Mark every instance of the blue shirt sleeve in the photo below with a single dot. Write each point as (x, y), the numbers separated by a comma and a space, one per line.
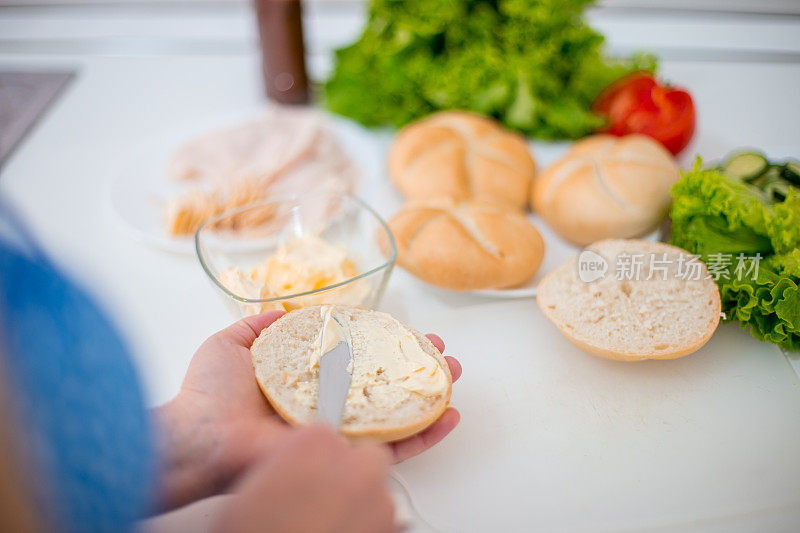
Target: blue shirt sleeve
(77, 397)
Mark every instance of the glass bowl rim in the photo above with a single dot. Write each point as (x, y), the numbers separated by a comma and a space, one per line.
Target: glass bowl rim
(296, 198)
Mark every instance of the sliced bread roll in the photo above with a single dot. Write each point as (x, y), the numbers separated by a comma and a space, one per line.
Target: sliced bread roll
(632, 300)
(400, 382)
(466, 246)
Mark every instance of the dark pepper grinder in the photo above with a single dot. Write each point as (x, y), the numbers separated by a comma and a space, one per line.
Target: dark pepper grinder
(280, 26)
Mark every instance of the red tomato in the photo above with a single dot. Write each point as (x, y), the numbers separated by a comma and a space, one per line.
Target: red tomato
(638, 104)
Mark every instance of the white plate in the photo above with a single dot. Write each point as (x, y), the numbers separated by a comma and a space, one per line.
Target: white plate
(140, 193)
(141, 190)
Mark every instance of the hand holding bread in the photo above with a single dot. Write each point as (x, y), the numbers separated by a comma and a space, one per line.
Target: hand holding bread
(222, 424)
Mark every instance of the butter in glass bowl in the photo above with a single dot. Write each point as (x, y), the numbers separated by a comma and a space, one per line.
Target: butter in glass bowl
(319, 248)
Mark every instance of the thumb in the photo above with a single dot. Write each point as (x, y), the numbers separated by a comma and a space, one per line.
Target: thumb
(245, 331)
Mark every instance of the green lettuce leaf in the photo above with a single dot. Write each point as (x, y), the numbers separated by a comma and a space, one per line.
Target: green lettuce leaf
(769, 305)
(714, 214)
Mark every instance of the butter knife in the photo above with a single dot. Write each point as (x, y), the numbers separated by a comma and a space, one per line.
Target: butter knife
(334, 384)
(334, 381)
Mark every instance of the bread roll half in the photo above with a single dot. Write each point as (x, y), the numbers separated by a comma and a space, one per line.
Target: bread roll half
(466, 246)
(393, 394)
(669, 309)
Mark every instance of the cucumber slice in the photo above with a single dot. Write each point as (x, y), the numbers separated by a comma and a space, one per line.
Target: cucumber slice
(746, 166)
(791, 172)
(772, 173)
(777, 189)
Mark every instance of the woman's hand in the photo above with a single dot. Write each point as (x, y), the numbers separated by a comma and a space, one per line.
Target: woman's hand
(313, 480)
(220, 422)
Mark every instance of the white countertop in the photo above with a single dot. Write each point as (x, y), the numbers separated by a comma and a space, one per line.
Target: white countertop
(139, 83)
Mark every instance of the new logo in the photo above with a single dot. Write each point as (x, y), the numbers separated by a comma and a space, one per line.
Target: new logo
(591, 266)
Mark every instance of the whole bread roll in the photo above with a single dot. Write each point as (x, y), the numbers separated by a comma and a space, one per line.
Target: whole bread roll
(400, 382)
(606, 187)
(461, 156)
(651, 301)
(466, 246)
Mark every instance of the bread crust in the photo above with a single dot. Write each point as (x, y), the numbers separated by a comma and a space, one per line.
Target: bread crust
(460, 155)
(379, 434)
(685, 350)
(546, 295)
(606, 187)
(467, 246)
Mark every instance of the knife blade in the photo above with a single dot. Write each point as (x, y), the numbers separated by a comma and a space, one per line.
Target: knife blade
(334, 382)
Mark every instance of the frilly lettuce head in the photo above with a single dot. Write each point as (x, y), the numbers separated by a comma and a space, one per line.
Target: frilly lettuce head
(533, 64)
(713, 213)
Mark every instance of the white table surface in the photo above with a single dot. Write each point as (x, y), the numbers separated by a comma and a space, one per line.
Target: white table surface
(60, 177)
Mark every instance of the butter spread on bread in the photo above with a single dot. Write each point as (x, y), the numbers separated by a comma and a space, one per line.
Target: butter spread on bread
(401, 383)
(382, 352)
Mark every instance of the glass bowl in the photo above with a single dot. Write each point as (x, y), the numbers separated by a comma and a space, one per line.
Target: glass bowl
(234, 246)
